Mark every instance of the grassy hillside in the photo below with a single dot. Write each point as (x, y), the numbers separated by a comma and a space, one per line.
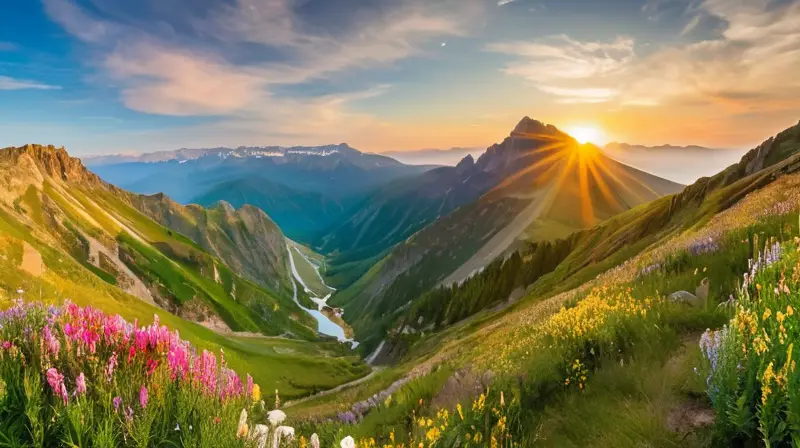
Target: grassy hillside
(600, 353)
(547, 178)
(64, 234)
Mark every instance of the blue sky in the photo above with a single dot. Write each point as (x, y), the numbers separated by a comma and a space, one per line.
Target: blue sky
(108, 76)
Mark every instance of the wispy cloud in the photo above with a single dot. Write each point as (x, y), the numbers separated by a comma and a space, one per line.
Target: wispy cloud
(750, 65)
(567, 68)
(8, 46)
(7, 83)
(161, 73)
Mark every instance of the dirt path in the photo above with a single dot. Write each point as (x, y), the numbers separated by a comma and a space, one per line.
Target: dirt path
(336, 389)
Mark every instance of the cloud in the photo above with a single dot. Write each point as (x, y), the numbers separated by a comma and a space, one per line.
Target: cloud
(564, 67)
(7, 83)
(8, 46)
(691, 25)
(232, 61)
(749, 65)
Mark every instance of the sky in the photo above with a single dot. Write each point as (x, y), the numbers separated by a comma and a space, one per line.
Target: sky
(128, 76)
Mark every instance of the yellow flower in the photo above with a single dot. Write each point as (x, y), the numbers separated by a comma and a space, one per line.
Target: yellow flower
(256, 393)
(460, 412)
(766, 314)
(789, 310)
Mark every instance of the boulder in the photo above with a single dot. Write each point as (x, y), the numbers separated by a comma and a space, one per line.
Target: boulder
(685, 297)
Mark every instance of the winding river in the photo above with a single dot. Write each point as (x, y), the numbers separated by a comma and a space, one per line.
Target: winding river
(324, 324)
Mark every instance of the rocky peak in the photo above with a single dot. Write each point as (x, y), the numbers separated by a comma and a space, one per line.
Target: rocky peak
(53, 162)
(466, 163)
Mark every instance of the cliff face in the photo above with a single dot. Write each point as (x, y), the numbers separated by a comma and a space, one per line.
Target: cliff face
(247, 240)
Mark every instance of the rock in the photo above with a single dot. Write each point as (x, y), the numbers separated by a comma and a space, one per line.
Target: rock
(684, 297)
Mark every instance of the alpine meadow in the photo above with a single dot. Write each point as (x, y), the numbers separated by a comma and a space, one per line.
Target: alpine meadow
(399, 223)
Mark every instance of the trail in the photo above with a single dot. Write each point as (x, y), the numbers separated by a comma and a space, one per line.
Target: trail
(339, 388)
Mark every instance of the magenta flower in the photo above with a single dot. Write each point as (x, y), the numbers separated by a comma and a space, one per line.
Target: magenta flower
(80, 384)
(117, 401)
(143, 397)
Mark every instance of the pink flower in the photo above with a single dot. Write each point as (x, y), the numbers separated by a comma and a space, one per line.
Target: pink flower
(54, 379)
(249, 389)
(143, 397)
(80, 384)
(112, 364)
(117, 401)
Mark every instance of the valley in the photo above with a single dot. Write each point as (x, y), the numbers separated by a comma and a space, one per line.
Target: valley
(443, 307)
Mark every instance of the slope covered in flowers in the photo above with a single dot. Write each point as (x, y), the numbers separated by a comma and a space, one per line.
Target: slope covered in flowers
(74, 376)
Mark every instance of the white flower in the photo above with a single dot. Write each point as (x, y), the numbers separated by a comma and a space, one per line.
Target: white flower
(314, 440)
(259, 435)
(280, 433)
(348, 442)
(241, 430)
(177, 427)
(276, 417)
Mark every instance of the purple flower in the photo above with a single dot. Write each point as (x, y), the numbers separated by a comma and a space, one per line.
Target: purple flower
(117, 401)
(143, 397)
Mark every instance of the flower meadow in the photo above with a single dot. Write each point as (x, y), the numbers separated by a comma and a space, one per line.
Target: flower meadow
(750, 364)
(74, 376)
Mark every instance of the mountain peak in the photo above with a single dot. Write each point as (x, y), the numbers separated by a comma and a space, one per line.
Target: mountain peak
(528, 126)
(52, 161)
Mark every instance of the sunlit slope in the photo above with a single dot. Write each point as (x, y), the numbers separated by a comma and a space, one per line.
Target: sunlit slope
(547, 175)
(68, 209)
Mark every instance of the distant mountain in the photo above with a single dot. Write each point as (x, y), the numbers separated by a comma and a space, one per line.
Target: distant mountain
(83, 238)
(449, 157)
(683, 164)
(304, 189)
(539, 183)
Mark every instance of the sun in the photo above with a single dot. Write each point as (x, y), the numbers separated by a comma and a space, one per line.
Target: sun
(587, 134)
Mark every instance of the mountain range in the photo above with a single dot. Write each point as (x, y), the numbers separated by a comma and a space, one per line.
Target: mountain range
(304, 189)
(538, 184)
(78, 235)
(449, 157)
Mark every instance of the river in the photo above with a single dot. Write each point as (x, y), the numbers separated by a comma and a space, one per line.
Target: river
(324, 324)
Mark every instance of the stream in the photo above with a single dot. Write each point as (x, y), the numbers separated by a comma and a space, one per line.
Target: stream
(324, 324)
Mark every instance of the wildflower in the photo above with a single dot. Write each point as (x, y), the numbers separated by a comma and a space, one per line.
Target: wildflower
(256, 393)
(789, 310)
(460, 411)
(216, 420)
(276, 417)
(80, 384)
(112, 364)
(116, 402)
(143, 397)
(502, 400)
(348, 442)
(241, 430)
(259, 435)
(177, 427)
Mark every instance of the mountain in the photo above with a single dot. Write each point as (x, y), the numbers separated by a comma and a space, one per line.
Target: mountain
(542, 268)
(683, 164)
(304, 189)
(538, 184)
(74, 235)
(449, 157)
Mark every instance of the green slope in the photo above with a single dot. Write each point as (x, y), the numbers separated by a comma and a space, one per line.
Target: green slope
(64, 234)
